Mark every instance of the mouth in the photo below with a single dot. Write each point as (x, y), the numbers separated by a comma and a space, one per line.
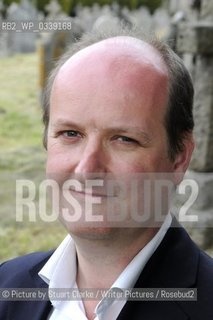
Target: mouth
(86, 193)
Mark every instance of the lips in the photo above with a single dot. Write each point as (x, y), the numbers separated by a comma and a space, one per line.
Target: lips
(92, 194)
(93, 188)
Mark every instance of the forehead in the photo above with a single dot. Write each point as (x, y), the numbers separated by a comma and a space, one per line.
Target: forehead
(124, 55)
(122, 66)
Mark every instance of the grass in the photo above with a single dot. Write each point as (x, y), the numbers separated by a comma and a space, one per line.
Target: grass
(19, 241)
(21, 155)
(20, 116)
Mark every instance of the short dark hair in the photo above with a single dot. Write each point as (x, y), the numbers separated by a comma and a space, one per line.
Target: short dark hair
(179, 115)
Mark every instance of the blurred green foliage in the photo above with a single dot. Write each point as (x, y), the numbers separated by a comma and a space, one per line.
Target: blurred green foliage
(69, 5)
(131, 4)
(9, 2)
(40, 4)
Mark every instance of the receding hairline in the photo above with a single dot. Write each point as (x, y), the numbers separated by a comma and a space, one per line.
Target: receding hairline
(143, 51)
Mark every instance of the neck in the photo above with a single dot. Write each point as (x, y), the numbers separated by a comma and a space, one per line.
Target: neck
(108, 255)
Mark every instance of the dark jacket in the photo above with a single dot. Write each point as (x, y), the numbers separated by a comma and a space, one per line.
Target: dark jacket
(177, 263)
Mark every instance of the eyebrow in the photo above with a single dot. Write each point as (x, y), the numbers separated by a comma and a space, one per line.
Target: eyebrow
(65, 123)
(117, 130)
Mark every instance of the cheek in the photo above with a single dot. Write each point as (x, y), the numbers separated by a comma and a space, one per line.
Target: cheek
(52, 164)
(127, 165)
(146, 162)
(57, 161)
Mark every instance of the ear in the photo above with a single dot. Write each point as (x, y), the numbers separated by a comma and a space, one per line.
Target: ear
(183, 158)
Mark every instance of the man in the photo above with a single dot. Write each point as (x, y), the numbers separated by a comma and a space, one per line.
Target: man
(116, 107)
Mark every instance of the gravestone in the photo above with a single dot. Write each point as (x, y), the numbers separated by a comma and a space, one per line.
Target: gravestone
(161, 23)
(52, 44)
(142, 19)
(87, 17)
(3, 37)
(206, 10)
(4, 50)
(21, 42)
(180, 5)
(106, 23)
(53, 9)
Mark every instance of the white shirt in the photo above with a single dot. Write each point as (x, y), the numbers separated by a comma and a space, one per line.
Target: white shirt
(60, 272)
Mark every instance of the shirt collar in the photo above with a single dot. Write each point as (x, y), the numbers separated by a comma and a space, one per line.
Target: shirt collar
(60, 269)
(130, 274)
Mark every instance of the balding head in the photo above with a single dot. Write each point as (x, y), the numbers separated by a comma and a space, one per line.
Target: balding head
(120, 48)
(125, 53)
(128, 64)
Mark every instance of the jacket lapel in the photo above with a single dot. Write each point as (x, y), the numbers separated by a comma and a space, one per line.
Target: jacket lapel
(33, 310)
(173, 265)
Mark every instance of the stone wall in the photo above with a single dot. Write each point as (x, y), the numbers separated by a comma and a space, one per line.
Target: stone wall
(195, 44)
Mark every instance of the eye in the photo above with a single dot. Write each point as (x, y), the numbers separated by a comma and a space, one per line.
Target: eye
(126, 140)
(71, 134)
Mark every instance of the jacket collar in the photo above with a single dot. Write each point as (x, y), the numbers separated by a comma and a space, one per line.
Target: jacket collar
(175, 262)
(33, 310)
(173, 265)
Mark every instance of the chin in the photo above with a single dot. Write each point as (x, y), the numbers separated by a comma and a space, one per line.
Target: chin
(91, 233)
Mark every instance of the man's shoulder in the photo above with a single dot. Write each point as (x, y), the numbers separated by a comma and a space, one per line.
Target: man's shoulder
(204, 261)
(27, 261)
(203, 264)
(205, 270)
(16, 269)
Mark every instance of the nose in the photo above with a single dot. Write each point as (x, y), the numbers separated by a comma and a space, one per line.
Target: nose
(93, 160)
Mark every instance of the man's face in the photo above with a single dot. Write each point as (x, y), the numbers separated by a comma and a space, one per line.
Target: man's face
(108, 106)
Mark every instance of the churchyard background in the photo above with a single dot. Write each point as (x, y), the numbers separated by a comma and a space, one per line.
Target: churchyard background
(22, 74)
